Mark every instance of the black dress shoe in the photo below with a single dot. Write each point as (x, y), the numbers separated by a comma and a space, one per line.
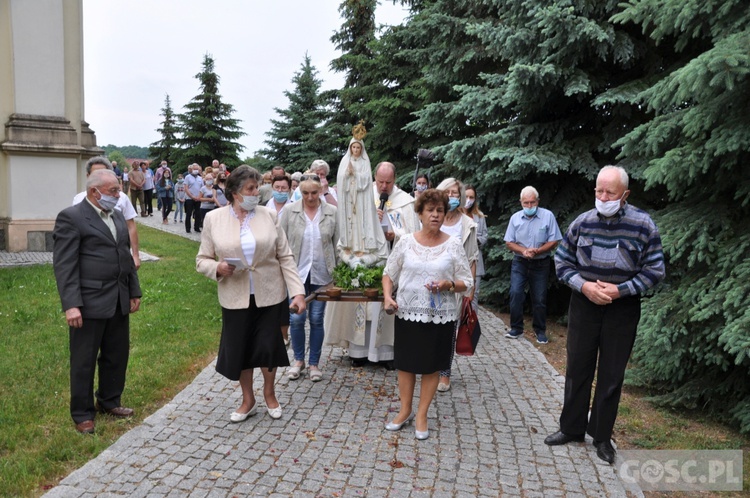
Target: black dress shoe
(388, 365)
(359, 362)
(560, 437)
(605, 451)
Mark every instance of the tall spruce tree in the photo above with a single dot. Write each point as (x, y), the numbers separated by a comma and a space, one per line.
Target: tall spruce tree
(694, 341)
(207, 128)
(356, 62)
(295, 140)
(513, 86)
(389, 102)
(165, 148)
(353, 40)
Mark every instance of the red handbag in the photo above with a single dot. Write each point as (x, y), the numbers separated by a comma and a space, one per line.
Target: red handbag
(468, 330)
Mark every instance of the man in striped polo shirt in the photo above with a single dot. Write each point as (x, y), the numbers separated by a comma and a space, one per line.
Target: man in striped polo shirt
(610, 256)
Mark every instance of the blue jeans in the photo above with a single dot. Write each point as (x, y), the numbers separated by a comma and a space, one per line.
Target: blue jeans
(535, 272)
(316, 311)
(179, 209)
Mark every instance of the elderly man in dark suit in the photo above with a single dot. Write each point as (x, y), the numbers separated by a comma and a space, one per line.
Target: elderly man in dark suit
(98, 286)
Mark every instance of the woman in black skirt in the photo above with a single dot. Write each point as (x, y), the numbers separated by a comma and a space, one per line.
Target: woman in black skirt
(246, 251)
(428, 268)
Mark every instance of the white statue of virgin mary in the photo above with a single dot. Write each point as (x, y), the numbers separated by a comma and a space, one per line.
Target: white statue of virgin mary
(361, 241)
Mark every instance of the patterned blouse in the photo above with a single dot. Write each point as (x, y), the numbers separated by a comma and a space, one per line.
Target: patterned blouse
(412, 265)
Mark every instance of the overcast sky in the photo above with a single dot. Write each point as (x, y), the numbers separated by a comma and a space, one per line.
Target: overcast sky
(137, 51)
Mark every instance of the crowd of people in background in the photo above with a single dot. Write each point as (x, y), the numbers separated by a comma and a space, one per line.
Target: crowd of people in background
(270, 239)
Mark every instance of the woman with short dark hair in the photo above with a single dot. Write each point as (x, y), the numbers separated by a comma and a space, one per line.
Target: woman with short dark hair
(428, 268)
(245, 250)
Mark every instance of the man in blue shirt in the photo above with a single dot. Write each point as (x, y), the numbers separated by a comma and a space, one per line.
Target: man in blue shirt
(193, 184)
(532, 235)
(610, 256)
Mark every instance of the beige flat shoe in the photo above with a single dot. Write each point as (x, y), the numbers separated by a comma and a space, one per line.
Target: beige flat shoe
(294, 371)
(315, 374)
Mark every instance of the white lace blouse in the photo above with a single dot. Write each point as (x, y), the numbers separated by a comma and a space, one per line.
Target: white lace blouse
(412, 265)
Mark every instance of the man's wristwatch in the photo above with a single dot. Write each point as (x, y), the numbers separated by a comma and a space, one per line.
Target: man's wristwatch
(453, 286)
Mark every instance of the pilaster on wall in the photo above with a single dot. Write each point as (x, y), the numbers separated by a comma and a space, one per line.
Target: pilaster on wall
(45, 139)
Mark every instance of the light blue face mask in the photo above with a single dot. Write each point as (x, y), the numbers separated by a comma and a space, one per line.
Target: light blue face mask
(529, 211)
(280, 197)
(249, 202)
(107, 202)
(453, 203)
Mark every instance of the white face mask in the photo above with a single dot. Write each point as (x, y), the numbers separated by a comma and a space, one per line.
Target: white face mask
(469, 203)
(249, 202)
(608, 208)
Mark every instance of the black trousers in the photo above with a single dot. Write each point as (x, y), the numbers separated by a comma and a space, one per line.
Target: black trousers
(148, 196)
(607, 332)
(104, 342)
(166, 206)
(192, 210)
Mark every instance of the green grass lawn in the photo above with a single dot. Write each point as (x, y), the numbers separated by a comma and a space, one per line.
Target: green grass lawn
(173, 337)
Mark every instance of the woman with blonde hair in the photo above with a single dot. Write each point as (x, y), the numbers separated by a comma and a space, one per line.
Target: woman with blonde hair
(310, 226)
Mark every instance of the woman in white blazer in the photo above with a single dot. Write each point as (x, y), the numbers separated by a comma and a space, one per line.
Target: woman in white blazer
(245, 250)
(310, 225)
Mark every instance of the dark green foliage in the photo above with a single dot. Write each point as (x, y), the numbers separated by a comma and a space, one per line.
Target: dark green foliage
(296, 139)
(259, 162)
(383, 86)
(119, 158)
(695, 333)
(512, 90)
(353, 40)
(130, 151)
(397, 92)
(207, 128)
(166, 148)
